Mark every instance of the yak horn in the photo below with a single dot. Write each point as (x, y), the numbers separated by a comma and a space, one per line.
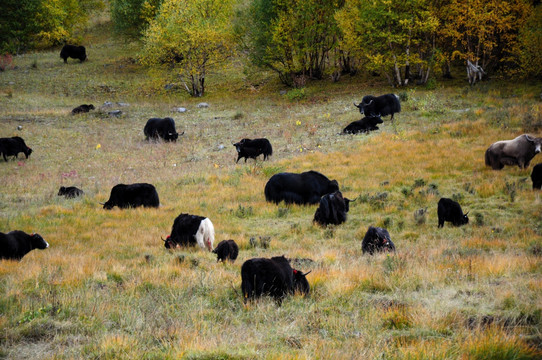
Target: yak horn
(163, 239)
(467, 213)
(101, 203)
(307, 273)
(357, 105)
(357, 197)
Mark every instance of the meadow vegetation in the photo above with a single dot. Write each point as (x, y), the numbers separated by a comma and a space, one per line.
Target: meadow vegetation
(108, 289)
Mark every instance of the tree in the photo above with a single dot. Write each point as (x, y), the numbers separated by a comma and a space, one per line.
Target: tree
(15, 29)
(132, 17)
(196, 34)
(27, 24)
(531, 44)
(482, 32)
(292, 37)
(393, 36)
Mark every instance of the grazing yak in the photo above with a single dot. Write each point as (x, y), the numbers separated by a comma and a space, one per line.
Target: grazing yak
(74, 52)
(161, 128)
(247, 148)
(449, 210)
(190, 230)
(274, 277)
(519, 151)
(536, 177)
(379, 105)
(376, 239)
(13, 146)
(332, 210)
(84, 108)
(16, 244)
(305, 188)
(70, 192)
(226, 250)
(366, 124)
(132, 195)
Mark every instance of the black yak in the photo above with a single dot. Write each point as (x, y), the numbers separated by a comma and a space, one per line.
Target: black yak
(226, 250)
(449, 210)
(519, 151)
(70, 192)
(74, 52)
(16, 244)
(13, 146)
(536, 177)
(376, 239)
(132, 195)
(305, 188)
(332, 210)
(161, 128)
(379, 105)
(366, 124)
(274, 277)
(190, 230)
(84, 108)
(247, 148)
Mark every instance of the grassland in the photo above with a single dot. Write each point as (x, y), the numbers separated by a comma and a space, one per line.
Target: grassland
(107, 289)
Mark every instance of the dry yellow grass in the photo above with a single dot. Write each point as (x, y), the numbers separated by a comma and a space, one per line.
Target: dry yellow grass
(107, 288)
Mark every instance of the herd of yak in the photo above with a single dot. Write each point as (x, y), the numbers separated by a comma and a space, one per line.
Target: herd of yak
(267, 276)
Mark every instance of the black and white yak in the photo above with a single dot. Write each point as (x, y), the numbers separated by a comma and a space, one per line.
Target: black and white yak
(189, 230)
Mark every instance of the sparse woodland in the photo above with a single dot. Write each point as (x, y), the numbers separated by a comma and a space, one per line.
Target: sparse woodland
(289, 71)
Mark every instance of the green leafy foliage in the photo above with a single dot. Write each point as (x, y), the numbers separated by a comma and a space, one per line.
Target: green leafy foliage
(29, 24)
(197, 35)
(132, 17)
(293, 38)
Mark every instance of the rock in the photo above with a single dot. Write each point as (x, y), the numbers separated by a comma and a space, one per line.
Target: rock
(220, 147)
(20, 127)
(180, 109)
(115, 113)
(283, 92)
(107, 104)
(203, 105)
(123, 104)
